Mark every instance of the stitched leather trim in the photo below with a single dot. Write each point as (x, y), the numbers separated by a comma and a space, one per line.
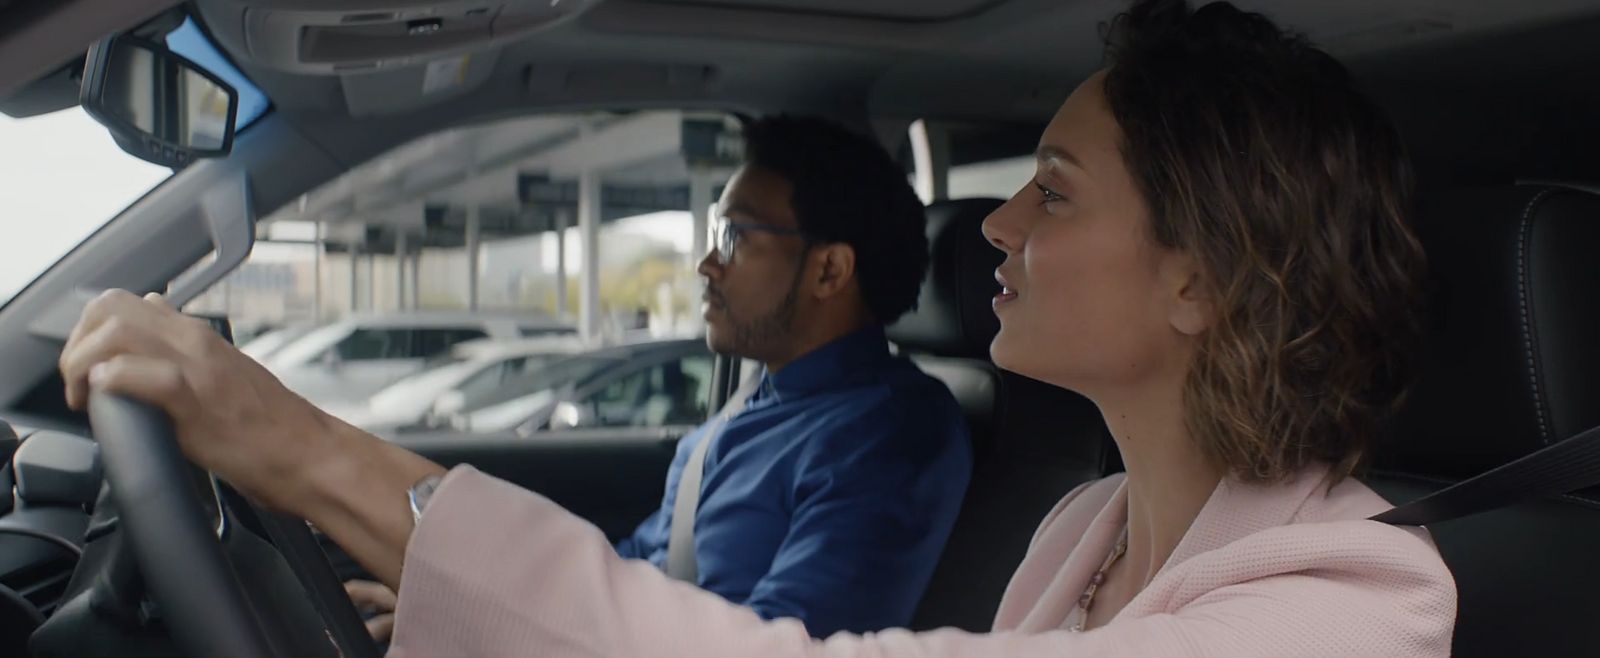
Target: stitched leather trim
(1525, 303)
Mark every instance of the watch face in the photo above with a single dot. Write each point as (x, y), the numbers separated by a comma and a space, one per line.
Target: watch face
(422, 491)
(426, 487)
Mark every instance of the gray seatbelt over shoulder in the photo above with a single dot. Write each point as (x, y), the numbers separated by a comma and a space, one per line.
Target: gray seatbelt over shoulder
(681, 562)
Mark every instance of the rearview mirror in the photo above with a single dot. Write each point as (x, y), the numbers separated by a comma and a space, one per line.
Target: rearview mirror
(158, 105)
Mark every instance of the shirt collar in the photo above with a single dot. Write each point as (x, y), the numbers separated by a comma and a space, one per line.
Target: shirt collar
(825, 367)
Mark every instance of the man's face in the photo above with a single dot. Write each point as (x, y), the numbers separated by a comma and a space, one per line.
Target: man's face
(751, 294)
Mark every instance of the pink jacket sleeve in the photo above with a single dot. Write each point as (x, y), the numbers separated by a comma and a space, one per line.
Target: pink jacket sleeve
(494, 570)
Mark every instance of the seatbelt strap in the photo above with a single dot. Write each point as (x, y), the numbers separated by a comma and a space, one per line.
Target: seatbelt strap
(681, 563)
(1565, 467)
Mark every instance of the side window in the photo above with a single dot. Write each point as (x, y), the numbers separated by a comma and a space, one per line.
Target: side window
(523, 366)
(433, 342)
(541, 331)
(373, 344)
(987, 159)
(667, 394)
(693, 401)
(484, 383)
(614, 405)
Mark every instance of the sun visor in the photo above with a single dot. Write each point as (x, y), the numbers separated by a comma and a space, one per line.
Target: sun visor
(402, 89)
(369, 36)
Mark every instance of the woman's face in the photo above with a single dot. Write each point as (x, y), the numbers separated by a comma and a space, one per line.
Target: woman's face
(1090, 300)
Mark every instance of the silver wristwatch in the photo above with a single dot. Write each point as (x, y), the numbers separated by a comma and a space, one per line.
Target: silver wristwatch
(420, 493)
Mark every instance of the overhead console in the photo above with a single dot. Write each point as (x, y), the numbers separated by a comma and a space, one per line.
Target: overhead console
(349, 36)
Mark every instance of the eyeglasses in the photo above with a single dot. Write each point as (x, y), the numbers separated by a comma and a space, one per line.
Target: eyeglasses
(727, 231)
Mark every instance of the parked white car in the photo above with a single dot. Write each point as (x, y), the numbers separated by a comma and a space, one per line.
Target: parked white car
(346, 362)
(658, 383)
(269, 342)
(470, 369)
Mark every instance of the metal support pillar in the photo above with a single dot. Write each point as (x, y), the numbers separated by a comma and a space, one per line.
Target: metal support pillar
(316, 275)
(563, 221)
(700, 208)
(416, 279)
(400, 271)
(589, 231)
(355, 277)
(474, 253)
(372, 280)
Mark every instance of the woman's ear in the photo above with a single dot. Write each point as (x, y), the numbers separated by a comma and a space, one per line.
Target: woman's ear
(1193, 300)
(834, 266)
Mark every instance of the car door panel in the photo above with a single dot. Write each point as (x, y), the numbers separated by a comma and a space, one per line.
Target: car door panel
(612, 478)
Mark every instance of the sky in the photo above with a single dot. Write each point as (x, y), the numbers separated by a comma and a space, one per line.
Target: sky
(61, 178)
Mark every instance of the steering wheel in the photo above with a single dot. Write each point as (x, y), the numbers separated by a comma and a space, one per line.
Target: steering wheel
(188, 575)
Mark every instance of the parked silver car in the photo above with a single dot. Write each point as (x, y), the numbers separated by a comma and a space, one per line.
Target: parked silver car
(346, 362)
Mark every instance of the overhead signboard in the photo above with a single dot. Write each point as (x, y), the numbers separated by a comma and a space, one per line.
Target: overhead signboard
(711, 143)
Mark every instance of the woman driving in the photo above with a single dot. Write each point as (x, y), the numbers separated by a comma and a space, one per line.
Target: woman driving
(1213, 249)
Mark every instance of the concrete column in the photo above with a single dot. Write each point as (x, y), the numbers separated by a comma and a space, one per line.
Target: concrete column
(316, 275)
(372, 280)
(416, 279)
(563, 221)
(930, 152)
(589, 231)
(700, 208)
(355, 277)
(474, 253)
(400, 271)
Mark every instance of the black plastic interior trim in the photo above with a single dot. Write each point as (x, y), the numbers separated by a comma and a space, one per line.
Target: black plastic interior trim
(855, 16)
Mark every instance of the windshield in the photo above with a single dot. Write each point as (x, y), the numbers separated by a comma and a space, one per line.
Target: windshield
(266, 344)
(307, 346)
(62, 177)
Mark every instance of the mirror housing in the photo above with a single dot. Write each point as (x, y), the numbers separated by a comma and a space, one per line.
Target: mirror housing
(446, 412)
(571, 415)
(330, 359)
(449, 404)
(159, 106)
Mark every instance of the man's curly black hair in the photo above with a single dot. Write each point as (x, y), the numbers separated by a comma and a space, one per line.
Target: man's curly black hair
(847, 189)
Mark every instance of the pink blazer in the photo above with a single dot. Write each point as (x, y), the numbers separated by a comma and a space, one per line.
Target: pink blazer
(1286, 570)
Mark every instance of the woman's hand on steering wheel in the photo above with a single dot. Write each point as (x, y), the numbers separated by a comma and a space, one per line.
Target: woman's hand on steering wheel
(231, 416)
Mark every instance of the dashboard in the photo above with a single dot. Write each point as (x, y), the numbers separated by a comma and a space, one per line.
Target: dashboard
(52, 485)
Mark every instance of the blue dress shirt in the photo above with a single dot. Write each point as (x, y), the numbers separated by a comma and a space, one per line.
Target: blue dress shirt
(830, 496)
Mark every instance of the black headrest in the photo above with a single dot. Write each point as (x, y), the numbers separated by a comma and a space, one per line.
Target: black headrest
(1512, 360)
(954, 315)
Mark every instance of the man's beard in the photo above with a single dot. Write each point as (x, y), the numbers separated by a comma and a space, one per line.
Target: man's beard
(751, 337)
(759, 335)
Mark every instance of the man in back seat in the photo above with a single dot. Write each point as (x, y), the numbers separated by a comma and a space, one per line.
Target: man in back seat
(828, 491)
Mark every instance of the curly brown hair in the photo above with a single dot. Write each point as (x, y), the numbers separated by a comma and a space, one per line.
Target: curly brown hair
(1256, 154)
